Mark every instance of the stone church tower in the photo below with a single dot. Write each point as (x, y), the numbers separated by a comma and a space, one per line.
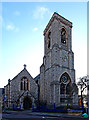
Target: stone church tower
(56, 81)
(57, 73)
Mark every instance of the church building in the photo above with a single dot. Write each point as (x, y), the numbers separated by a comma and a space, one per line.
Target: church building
(56, 81)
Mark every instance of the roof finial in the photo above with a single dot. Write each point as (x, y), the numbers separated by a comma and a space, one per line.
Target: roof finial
(24, 66)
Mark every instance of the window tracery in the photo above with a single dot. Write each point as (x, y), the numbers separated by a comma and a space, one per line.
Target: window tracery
(24, 85)
(65, 87)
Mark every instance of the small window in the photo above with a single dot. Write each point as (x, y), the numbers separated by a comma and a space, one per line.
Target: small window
(27, 85)
(21, 85)
(63, 36)
(48, 40)
(24, 85)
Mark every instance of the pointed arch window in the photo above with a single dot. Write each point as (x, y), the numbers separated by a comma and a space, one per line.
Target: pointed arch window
(63, 36)
(24, 85)
(27, 85)
(21, 86)
(65, 88)
(49, 39)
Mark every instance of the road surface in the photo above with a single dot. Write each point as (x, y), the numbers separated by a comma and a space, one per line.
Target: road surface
(28, 115)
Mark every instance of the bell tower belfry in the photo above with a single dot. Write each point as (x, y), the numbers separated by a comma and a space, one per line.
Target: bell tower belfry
(57, 73)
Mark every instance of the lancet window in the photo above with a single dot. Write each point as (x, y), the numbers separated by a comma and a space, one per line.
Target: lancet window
(63, 36)
(24, 85)
(49, 39)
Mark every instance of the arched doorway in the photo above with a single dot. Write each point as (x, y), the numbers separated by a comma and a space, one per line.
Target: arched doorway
(27, 103)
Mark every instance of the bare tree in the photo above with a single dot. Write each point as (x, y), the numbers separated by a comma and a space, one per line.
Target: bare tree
(82, 83)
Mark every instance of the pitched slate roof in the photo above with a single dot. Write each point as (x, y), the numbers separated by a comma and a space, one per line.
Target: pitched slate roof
(37, 77)
(24, 70)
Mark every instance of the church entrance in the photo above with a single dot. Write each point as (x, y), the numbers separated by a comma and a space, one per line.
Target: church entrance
(27, 103)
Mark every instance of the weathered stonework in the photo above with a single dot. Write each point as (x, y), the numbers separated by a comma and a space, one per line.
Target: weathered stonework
(14, 93)
(58, 60)
(56, 81)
